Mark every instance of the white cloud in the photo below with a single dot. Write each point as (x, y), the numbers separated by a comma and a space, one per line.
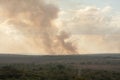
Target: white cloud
(91, 20)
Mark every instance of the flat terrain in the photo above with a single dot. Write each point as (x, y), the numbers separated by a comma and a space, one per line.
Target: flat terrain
(99, 61)
(72, 67)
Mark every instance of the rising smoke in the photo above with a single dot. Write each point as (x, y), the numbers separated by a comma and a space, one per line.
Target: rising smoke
(34, 21)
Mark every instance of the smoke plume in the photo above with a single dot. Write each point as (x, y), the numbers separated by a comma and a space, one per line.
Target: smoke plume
(28, 25)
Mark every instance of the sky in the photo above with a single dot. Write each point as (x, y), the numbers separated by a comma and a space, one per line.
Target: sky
(59, 27)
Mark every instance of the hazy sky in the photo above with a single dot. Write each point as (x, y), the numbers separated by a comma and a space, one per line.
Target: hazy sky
(59, 26)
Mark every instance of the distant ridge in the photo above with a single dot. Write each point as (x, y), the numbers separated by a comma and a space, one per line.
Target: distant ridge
(99, 54)
(16, 58)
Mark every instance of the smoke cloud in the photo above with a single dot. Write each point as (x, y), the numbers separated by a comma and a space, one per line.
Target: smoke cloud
(27, 26)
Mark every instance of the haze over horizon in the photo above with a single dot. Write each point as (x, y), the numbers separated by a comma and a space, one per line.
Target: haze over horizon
(58, 27)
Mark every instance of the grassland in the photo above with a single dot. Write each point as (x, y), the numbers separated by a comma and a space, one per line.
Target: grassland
(72, 67)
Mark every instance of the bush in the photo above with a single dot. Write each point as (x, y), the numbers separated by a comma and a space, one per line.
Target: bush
(54, 72)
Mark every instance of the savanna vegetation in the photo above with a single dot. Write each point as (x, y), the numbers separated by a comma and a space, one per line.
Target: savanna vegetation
(53, 72)
(72, 67)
